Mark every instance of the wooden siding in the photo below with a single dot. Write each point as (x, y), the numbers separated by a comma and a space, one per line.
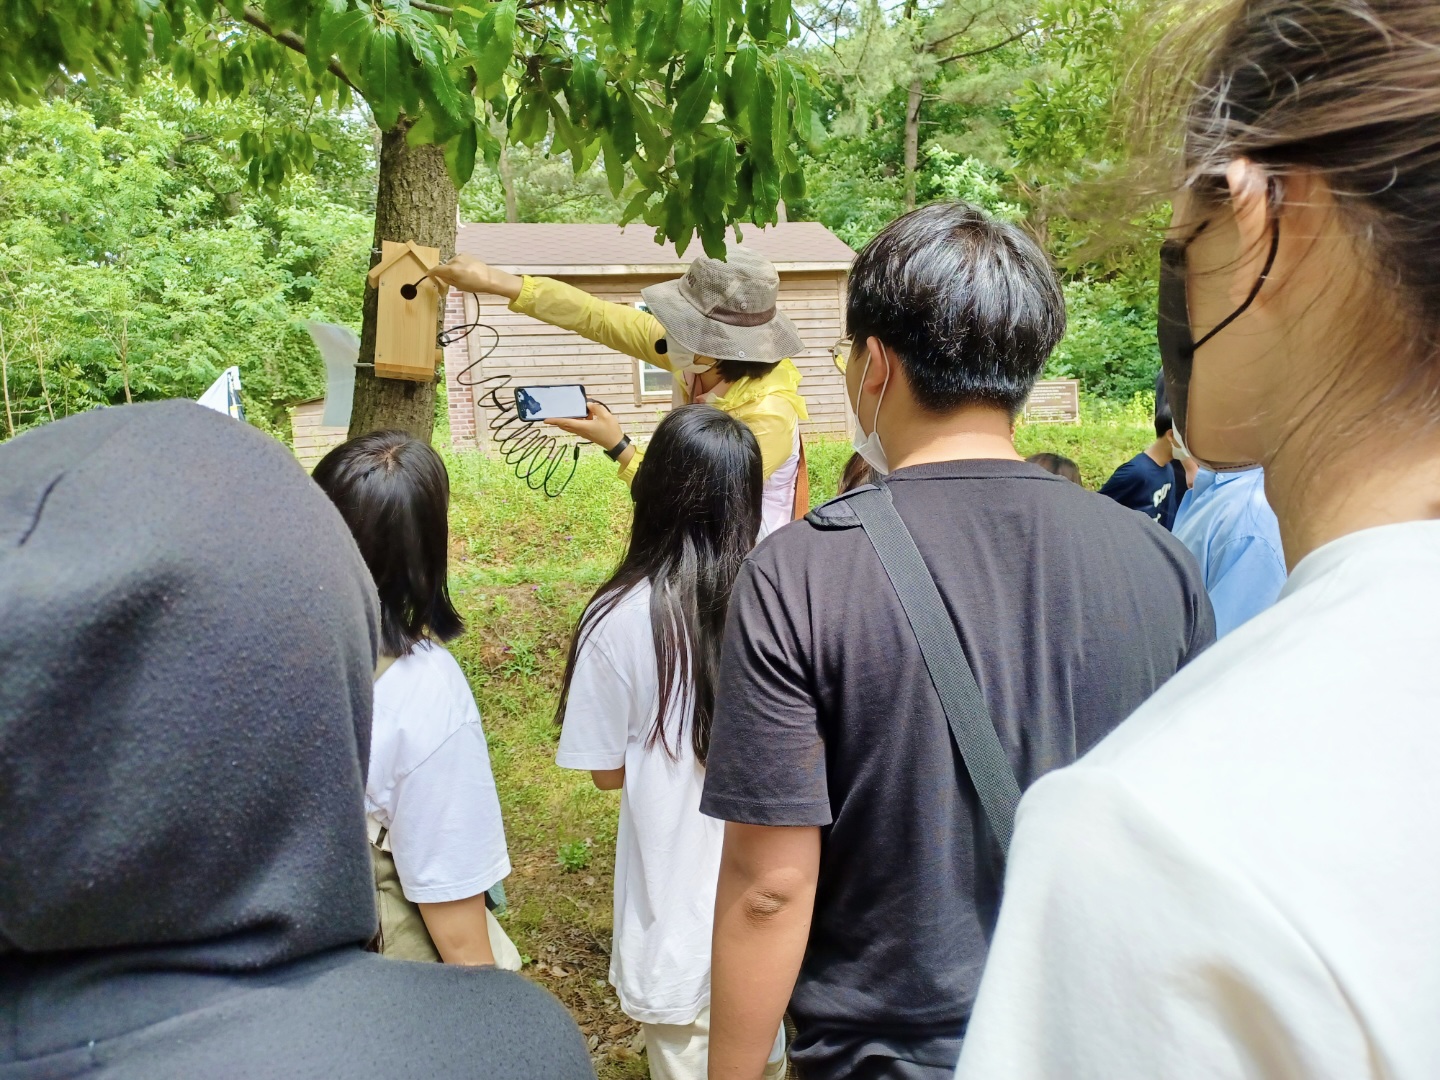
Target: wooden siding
(311, 440)
(533, 352)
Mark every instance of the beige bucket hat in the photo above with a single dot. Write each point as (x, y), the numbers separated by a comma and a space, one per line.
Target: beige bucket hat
(726, 309)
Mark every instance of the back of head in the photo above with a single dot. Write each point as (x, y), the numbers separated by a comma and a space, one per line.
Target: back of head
(1347, 91)
(394, 493)
(1057, 464)
(700, 479)
(697, 512)
(1164, 421)
(187, 644)
(969, 304)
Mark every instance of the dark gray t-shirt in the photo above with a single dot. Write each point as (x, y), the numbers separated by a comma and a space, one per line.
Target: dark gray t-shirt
(1072, 611)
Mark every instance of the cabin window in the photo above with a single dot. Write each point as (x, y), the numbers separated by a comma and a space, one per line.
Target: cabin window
(654, 383)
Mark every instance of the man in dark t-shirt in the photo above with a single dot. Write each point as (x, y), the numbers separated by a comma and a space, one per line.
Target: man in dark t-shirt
(1153, 481)
(858, 871)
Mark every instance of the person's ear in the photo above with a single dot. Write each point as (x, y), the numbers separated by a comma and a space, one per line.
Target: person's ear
(877, 372)
(1250, 194)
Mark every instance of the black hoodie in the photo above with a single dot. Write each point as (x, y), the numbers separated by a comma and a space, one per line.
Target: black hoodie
(187, 635)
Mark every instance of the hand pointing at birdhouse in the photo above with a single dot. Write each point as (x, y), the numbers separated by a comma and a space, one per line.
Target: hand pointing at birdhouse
(469, 274)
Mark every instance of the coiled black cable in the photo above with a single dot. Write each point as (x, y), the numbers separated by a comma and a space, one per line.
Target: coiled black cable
(528, 448)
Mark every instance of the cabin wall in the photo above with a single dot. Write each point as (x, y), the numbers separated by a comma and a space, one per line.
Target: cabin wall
(311, 439)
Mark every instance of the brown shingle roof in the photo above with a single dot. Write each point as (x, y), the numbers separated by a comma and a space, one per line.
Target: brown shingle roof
(609, 249)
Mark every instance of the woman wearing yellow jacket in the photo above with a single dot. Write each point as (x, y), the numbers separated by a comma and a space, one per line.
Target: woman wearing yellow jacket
(716, 329)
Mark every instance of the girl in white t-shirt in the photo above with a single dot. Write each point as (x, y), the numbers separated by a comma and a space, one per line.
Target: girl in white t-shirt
(635, 711)
(1241, 880)
(433, 811)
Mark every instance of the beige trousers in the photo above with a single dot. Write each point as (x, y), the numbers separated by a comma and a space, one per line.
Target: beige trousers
(682, 1051)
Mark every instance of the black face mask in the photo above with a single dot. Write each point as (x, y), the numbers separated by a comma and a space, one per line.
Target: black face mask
(1177, 347)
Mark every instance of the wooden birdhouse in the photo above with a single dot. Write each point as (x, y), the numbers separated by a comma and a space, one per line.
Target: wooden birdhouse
(409, 310)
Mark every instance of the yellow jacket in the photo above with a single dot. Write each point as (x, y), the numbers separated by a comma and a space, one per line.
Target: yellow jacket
(771, 406)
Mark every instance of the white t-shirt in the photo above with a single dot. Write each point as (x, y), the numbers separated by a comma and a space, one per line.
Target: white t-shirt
(667, 854)
(430, 782)
(1243, 880)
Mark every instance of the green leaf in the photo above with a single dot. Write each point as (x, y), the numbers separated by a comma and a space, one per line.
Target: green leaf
(635, 207)
(347, 36)
(532, 122)
(458, 105)
(382, 77)
(666, 39)
(320, 142)
(695, 29)
(792, 187)
(622, 18)
(315, 59)
(761, 113)
(780, 18)
(460, 156)
(620, 120)
(497, 47)
(757, 19)
(647, 39)
(614, 167)
(693, 103)
(740, 90)
(422, 132)
(489, 145)
(161, 38)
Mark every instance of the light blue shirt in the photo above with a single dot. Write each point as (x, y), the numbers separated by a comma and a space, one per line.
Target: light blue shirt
(1230, 529)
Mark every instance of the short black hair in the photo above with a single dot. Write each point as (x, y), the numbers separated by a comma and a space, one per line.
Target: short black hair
(969, 304)
(1058, 464)
(394, 493)
(1163, 420)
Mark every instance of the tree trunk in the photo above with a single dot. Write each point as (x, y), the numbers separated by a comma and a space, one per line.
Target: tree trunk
(415, 201)
(507, 181)
(912, 138)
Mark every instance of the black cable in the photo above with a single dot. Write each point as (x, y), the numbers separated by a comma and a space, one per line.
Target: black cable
(527, 447)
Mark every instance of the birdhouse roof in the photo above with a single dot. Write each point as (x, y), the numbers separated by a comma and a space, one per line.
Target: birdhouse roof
(409, 249)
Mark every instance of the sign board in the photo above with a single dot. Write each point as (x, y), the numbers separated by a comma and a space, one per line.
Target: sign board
(1054, 401)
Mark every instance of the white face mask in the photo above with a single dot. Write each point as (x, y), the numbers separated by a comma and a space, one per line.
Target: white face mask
(868, 446)
(687, 363)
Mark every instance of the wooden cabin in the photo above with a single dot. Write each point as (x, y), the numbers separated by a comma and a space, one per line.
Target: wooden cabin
(309, 437)
(615, 264)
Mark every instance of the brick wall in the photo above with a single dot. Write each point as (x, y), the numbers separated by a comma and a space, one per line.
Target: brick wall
(460, 308)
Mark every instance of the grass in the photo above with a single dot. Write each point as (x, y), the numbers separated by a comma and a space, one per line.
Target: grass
(522, 568)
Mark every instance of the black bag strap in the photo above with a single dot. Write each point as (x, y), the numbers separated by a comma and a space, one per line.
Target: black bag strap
(970, 723)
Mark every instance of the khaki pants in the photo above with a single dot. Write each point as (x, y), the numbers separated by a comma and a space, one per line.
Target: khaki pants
(403, 935)
(682, 1051)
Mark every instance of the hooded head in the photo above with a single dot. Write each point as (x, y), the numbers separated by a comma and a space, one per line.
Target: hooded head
(187, 636)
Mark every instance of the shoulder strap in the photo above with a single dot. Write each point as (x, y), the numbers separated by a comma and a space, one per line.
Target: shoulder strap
(970, 723)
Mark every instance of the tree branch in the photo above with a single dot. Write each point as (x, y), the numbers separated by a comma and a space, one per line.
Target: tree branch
(294, 41)
(988, 48)
(434, 9)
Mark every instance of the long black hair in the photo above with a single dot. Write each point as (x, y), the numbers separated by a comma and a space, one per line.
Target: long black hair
(697, 512)
(394, 493)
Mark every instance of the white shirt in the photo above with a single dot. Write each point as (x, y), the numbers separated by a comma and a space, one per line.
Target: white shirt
(430, 782)
(1242, 880)
(667, 855)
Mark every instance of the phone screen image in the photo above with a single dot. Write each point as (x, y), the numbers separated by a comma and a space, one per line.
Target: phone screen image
(550, 402)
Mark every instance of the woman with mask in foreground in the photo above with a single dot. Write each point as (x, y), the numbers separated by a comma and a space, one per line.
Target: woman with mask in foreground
(188, 639)
(1241, 881)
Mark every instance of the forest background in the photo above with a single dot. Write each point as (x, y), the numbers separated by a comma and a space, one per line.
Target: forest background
(139, 256)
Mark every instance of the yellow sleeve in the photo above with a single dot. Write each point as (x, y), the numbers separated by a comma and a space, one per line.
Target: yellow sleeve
(627, 471)
(616, 326)
(774, 430)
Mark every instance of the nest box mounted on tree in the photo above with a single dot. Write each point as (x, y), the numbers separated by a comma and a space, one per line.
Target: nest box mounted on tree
(408, 313)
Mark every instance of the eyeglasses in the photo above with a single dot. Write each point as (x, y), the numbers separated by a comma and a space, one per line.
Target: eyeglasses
(841, 353)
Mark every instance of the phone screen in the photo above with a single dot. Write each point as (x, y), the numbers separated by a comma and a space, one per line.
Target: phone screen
(548, 402)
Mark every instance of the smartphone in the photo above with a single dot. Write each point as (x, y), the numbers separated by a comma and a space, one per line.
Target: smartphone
(534, 403)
